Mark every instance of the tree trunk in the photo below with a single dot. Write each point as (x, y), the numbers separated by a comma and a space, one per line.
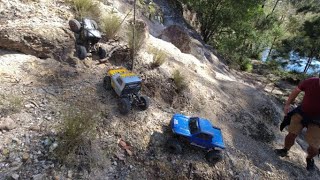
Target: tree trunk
(274, 7)
(307, 65)
(274, 40)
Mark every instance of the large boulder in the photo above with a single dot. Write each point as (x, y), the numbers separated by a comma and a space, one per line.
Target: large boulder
(178, 37)
(42, 41)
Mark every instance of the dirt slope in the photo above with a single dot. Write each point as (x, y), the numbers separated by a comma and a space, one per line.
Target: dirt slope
(35, 93)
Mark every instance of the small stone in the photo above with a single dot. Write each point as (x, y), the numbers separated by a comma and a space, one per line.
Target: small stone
(15, 176)
(17, 160)
(7, 124)
(47, 142)
(16, 165)
(34, 128)
(53, 147)
(16, 140)
(115, 163)
(38, 177)
(29, 105)
(25, 157)
(70, 174)
(5, 152)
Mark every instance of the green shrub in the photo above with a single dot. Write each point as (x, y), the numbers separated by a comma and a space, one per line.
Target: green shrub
(179, 81)
(246, 65)
(159, 57)
(76, 136)
(140, 35)
(86, 8)
(110, 25)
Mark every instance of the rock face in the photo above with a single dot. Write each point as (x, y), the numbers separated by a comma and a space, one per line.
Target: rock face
(178, 37)
(186, 43)
(43, 41)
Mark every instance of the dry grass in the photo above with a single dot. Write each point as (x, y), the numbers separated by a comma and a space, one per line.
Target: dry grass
(140, 35)
(77, 144)
(110, 25)
(179, 81)
(159, 57)
(86, 8)
(10, 104)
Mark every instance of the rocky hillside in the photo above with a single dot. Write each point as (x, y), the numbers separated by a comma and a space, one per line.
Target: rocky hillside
(43, 86)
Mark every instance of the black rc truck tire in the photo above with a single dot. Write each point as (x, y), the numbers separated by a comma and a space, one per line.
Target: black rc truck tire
(174, 146)
(144, 102)
(124, 106)
(214, 156)
(107, 83)
(81, 52)
(74, 25)
(102, 53)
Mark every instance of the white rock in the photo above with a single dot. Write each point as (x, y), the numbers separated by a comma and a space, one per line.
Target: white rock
(38, 177)
(53, 146)
(15, 176)
(70, 174)
(29, 105)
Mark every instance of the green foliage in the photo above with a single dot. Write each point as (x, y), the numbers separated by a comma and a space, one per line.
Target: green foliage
(246, 65)
(294, 77)
(150, 10)
(221, 16)
(179, 81)
(139, 30)
(306, 42)
(110, 25)
(159, 57)
(242, 29)
(86, 8)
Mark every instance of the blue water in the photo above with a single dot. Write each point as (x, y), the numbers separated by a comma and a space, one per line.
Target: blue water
(297, 63)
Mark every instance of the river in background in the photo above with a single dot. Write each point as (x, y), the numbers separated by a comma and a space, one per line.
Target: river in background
(297, 63)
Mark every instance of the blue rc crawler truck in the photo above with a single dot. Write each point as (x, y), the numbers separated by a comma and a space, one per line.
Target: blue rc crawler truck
(198, 132)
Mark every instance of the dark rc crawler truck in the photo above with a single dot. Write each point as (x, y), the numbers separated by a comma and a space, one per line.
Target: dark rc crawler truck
(127, 86)
(87, 37)
(197, 132)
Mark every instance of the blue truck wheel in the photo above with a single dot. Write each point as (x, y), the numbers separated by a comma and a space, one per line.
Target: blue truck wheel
(214, 156)
(174, 146)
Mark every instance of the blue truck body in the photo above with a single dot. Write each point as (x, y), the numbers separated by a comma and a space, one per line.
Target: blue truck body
(198, 131)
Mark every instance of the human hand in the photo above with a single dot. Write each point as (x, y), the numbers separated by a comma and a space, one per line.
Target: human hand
(286, 109)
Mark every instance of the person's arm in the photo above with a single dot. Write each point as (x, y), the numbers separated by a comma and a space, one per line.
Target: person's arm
(291, 99)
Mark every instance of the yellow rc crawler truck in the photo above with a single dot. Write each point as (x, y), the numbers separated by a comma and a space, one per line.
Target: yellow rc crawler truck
(127, 86)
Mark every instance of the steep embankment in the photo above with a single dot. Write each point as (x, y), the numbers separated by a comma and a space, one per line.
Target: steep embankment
(36, 93)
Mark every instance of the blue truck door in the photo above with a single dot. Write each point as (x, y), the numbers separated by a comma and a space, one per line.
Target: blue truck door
(201, 140)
